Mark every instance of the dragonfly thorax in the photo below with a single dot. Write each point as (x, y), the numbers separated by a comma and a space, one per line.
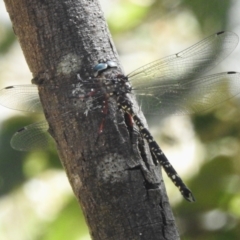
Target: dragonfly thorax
(121, 85)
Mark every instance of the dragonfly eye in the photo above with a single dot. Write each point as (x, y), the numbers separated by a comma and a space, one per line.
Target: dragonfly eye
(111, 64)
(99, 68)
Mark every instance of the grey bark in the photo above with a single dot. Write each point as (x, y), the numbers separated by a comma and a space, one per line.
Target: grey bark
(112, 176)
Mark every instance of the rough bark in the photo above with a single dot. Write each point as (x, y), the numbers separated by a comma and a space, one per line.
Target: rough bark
(113, 177)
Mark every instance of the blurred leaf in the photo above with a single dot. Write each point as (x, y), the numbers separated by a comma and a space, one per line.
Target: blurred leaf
(210, 14)
(126, 16)
(6, 40)
(70, 225)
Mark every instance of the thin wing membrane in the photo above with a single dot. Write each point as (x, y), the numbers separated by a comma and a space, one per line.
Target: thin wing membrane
(26, 97)
(21, 97)
(189, 63)
(34, 137)
(191, 96)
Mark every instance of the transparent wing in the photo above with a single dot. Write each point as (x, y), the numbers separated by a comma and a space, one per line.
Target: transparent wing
(21, 97)
(191, 96)
(26, 98)
(158, 84)
(187, 64)
(33, 137)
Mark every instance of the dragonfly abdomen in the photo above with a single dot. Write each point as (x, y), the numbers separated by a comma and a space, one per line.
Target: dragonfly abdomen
(157, 153)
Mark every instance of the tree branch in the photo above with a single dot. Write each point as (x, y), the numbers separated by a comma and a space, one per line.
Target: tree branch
(113, 176)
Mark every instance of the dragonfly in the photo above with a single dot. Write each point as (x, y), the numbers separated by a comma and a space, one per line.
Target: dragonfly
(174, 84)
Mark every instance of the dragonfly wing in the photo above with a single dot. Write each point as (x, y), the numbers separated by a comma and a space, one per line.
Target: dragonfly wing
(190, 97)
(21, 97)
(32, 137)
(26, 98)
(189, 63)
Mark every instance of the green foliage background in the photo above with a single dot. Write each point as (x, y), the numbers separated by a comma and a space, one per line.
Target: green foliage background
(135, 25)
